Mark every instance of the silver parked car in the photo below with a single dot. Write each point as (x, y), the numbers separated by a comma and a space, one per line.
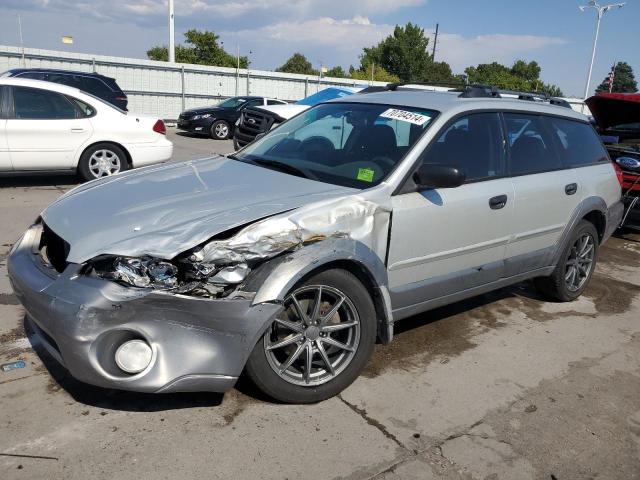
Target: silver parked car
(289, 259)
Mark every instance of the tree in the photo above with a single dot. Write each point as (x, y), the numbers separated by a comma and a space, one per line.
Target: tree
(379, 74)
(337, 72)
(624, 80)
(438, 72)
(522, 76)
(298, 63)
(403, 54)
(202, 48)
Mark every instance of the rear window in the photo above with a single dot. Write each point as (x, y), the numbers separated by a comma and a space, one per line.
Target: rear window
(579, 142)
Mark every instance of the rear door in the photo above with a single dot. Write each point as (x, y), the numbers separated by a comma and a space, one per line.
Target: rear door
(546, 193)
(44, 130)
(5, 160)
(448, 240)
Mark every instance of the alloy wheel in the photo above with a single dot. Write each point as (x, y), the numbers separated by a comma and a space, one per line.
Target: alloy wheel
(221, 130)
(580, 262)
(103, 163)
(315, 338)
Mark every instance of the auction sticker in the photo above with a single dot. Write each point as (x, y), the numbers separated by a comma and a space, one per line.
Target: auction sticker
(406, 116)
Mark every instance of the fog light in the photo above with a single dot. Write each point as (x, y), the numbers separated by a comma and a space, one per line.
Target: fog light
(133, 356)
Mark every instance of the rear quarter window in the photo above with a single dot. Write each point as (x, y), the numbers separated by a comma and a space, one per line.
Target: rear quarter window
(579, 144)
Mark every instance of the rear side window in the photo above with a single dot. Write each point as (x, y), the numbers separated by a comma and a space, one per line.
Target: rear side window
(473, 144)
(32, 75)
(85, 109)
(253, 103)
(579, 143)
(36, 104)
(530, 145)
(74, 81)
(96, 87)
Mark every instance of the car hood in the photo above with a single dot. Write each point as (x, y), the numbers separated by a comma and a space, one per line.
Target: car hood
(164, 210)
(610, 109)
(201, 110)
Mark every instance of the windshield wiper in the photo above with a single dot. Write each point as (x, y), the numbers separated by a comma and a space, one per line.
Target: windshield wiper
(283, 167)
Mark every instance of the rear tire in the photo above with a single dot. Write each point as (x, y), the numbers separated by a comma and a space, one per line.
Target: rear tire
(102, 160)
(575, 267)
(317, 337)
(220, 130)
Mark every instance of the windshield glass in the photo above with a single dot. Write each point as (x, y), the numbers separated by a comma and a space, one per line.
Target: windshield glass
(348, 144)
(326, 95)
(232, 102)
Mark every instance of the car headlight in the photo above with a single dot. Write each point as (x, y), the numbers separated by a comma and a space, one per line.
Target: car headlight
(204, 115)
(138, 272)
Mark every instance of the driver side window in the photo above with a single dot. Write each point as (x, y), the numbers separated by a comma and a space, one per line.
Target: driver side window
(474, 144)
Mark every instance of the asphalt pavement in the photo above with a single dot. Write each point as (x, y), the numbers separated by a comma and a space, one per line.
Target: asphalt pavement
(503, 386)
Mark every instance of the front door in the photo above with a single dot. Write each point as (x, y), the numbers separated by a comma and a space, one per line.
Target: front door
(44, 131)
(444, 241)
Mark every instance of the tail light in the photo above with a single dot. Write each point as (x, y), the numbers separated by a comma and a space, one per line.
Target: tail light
(121, 99)
(159, 127)
(619, 174)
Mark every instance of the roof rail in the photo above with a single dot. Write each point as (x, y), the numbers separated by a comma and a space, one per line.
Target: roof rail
(394, 86)
(487, 91)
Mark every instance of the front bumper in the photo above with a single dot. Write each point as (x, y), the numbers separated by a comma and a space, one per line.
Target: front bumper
(198, 344)
(201, 127)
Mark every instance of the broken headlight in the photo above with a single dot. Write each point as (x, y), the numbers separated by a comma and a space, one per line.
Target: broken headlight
(138, 272)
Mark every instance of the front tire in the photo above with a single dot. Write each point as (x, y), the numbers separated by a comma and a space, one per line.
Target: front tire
(319, 344)
(575, 267)
(220, 130)
(102, 160)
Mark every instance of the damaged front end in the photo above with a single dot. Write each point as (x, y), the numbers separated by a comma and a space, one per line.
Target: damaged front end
(219, 267)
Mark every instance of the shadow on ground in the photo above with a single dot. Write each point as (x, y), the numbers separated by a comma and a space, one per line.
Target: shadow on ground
(52, 180)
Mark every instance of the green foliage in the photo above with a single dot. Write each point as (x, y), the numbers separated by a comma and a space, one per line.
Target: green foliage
(438, 72)
(522, 76)
(337, 72)
(403, 54)
(298, 63)
(201, 48)
(623, 82)
(379, 74)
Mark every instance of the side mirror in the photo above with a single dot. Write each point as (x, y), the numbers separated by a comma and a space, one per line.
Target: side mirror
(438, 176)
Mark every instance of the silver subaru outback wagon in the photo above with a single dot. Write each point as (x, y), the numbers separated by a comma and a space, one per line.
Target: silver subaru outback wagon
(290, 258)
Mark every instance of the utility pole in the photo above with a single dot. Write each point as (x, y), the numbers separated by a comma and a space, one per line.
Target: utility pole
(24, 60)
(172, 40)
(435, 42)
(238, 73)
(373, 67)
(601, 9)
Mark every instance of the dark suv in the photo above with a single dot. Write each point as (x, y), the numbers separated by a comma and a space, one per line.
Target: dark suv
(98, 85)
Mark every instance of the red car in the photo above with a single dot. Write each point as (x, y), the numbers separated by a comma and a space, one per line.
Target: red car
(617, 117)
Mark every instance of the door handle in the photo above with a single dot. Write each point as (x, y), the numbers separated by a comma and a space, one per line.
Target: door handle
(571, 188)
(78, 130)
(496, 203)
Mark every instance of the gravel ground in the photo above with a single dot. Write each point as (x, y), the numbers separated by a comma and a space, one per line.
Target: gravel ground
(503, 386)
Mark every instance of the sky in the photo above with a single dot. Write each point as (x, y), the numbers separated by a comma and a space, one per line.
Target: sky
(333, 32)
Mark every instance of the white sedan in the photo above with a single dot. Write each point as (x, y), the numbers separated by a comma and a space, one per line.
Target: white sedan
(50, 127)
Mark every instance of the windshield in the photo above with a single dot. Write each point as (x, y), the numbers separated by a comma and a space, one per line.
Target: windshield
(348, 144)
(232, 102)
(326, 95)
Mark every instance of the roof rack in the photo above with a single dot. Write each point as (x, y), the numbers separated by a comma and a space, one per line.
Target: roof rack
(477, 91)
(488, 91)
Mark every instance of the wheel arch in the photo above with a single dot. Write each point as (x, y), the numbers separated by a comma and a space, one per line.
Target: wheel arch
(108, 142)
(274, 279)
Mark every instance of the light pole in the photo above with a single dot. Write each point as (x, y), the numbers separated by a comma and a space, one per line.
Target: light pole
(601, 9)
(172, 40)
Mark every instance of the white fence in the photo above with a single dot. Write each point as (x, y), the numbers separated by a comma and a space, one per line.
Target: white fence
(163, 89)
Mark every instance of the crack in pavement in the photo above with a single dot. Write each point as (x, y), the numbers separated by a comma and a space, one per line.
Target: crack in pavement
(374, 423)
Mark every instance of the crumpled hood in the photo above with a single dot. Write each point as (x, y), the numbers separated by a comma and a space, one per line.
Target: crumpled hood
(166, 209)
